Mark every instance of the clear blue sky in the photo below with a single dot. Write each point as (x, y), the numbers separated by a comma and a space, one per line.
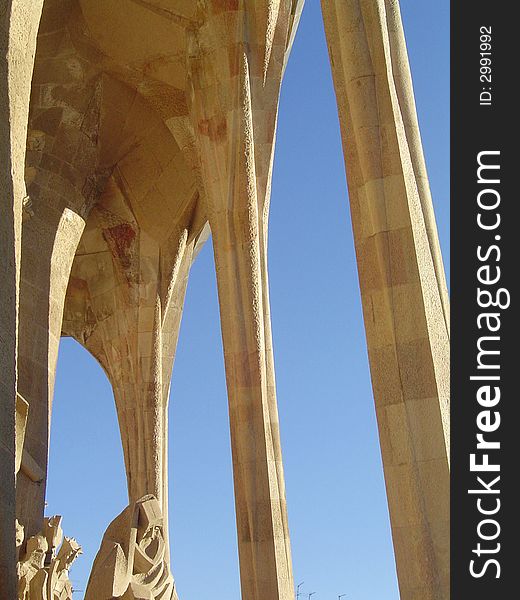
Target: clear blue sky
(336, 498)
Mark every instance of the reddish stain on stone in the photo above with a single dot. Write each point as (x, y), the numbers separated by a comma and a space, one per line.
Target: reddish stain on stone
(77, 283)
(77, 297)
(77, 288)
(120, 239)
(234, 53)
(214, 128)
(220, 6)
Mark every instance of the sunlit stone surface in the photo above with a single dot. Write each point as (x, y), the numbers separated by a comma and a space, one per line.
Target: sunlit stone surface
(147, 124)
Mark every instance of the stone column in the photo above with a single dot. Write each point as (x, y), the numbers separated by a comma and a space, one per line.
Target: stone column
(144, 338)
(236, 64)
(404, 91)
(18, 29)
(124, 305)
(402, 283)
(50, 238)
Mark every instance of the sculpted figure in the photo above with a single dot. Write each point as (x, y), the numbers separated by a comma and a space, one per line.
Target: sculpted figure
(132, 562)
(43, 571)
(30, 582)
(59, 586)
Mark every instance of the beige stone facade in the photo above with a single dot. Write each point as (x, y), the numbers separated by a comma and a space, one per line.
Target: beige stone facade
(148, 124)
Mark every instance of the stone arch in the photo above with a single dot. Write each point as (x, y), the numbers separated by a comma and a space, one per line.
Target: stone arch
(91, 135)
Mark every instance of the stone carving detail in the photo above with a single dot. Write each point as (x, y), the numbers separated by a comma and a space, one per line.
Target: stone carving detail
(132, 562)
(43, 570)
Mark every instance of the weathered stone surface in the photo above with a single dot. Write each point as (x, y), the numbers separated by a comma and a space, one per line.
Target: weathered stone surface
(149, 123)
(18, 28)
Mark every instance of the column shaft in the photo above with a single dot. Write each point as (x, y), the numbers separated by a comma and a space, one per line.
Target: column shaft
(401, 279)
(236, 74)
(18, 29)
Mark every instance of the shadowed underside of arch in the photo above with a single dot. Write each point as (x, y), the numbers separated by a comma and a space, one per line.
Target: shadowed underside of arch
(148, 123)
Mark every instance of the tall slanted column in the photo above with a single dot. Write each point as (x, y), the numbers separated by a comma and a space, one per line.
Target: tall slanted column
(403, 290)
(236, 61)
(18, 29)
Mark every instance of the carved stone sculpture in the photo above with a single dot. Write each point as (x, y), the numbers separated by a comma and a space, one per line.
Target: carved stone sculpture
(43, 571)
(59, 586)
(132, 562)
(31, 564)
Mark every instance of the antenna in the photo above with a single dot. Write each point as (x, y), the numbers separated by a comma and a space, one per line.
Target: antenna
(298, 593)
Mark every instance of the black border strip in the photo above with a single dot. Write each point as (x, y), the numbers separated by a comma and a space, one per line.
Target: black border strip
(484, 119)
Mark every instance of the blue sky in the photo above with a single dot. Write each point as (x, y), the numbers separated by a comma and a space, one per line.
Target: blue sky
(335, 490)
